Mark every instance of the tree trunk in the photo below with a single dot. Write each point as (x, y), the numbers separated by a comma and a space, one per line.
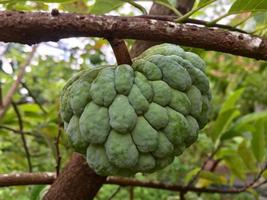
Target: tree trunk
(76, 182)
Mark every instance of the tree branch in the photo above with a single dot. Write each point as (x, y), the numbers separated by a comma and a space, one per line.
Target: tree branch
(31, 28)
(210, 157)
(17, 131)
(8, 98)
(49, 178)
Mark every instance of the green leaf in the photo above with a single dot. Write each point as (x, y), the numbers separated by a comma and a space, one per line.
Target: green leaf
(236, 165)
(104, 6)
(46, 1)
(223, 122)
(264, 174)
(248, 6)
(164, 1)
(259, 140)
(203, 3)
(191, 174)
(247, 156)
(35, 192)
(245, 123)
(227, 114)
(77, 6)
(232, 100)
(55, 1)
(213, 178)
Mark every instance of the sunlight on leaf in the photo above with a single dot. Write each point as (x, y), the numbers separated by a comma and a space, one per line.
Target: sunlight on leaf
(248, 6)
(104, 6)
(259, 140)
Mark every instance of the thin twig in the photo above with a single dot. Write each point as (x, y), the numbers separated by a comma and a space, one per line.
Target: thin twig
(33, 97)
(23, 138)
(17, 131)
(260, 184)
(257, 178)
(210, 157)
(58, 155)
(8, 98)
(115, 193)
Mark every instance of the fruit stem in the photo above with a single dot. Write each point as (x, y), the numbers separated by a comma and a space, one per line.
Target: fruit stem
(120, 51)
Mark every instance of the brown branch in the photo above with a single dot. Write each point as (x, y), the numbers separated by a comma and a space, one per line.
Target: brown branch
(17, 131)
(257, 178)
(260, 184)
(8, 98)
(164, 186)
(23, 138)
(210, 157)
(30, 28)
(36, 178)
(49, 178)
(120, 51)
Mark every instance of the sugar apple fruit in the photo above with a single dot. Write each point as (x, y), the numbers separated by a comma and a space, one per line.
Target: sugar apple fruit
(130, 119)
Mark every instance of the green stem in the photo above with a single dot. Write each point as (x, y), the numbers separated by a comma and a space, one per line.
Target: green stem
(187, 15)
(173, 9)
(138, 6)
(218, 19)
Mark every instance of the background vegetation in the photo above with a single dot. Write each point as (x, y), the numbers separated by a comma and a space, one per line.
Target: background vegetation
(233, 146)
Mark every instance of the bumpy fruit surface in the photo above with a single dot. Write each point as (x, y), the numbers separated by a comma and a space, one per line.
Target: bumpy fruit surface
(130, 119)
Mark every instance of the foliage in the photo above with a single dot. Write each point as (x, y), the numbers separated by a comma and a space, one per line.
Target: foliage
(235, 136)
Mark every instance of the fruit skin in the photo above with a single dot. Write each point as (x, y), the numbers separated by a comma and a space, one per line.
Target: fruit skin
(129, 119)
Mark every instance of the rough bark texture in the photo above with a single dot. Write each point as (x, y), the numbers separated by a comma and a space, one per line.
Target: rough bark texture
(182, 5)
(76, 182)
(30, 28)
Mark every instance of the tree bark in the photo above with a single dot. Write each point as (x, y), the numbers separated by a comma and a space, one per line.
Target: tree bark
(30, 28)
(76, 182)
(182, 5)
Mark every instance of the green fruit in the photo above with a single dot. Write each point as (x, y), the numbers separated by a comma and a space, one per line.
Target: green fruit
(130, 119)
